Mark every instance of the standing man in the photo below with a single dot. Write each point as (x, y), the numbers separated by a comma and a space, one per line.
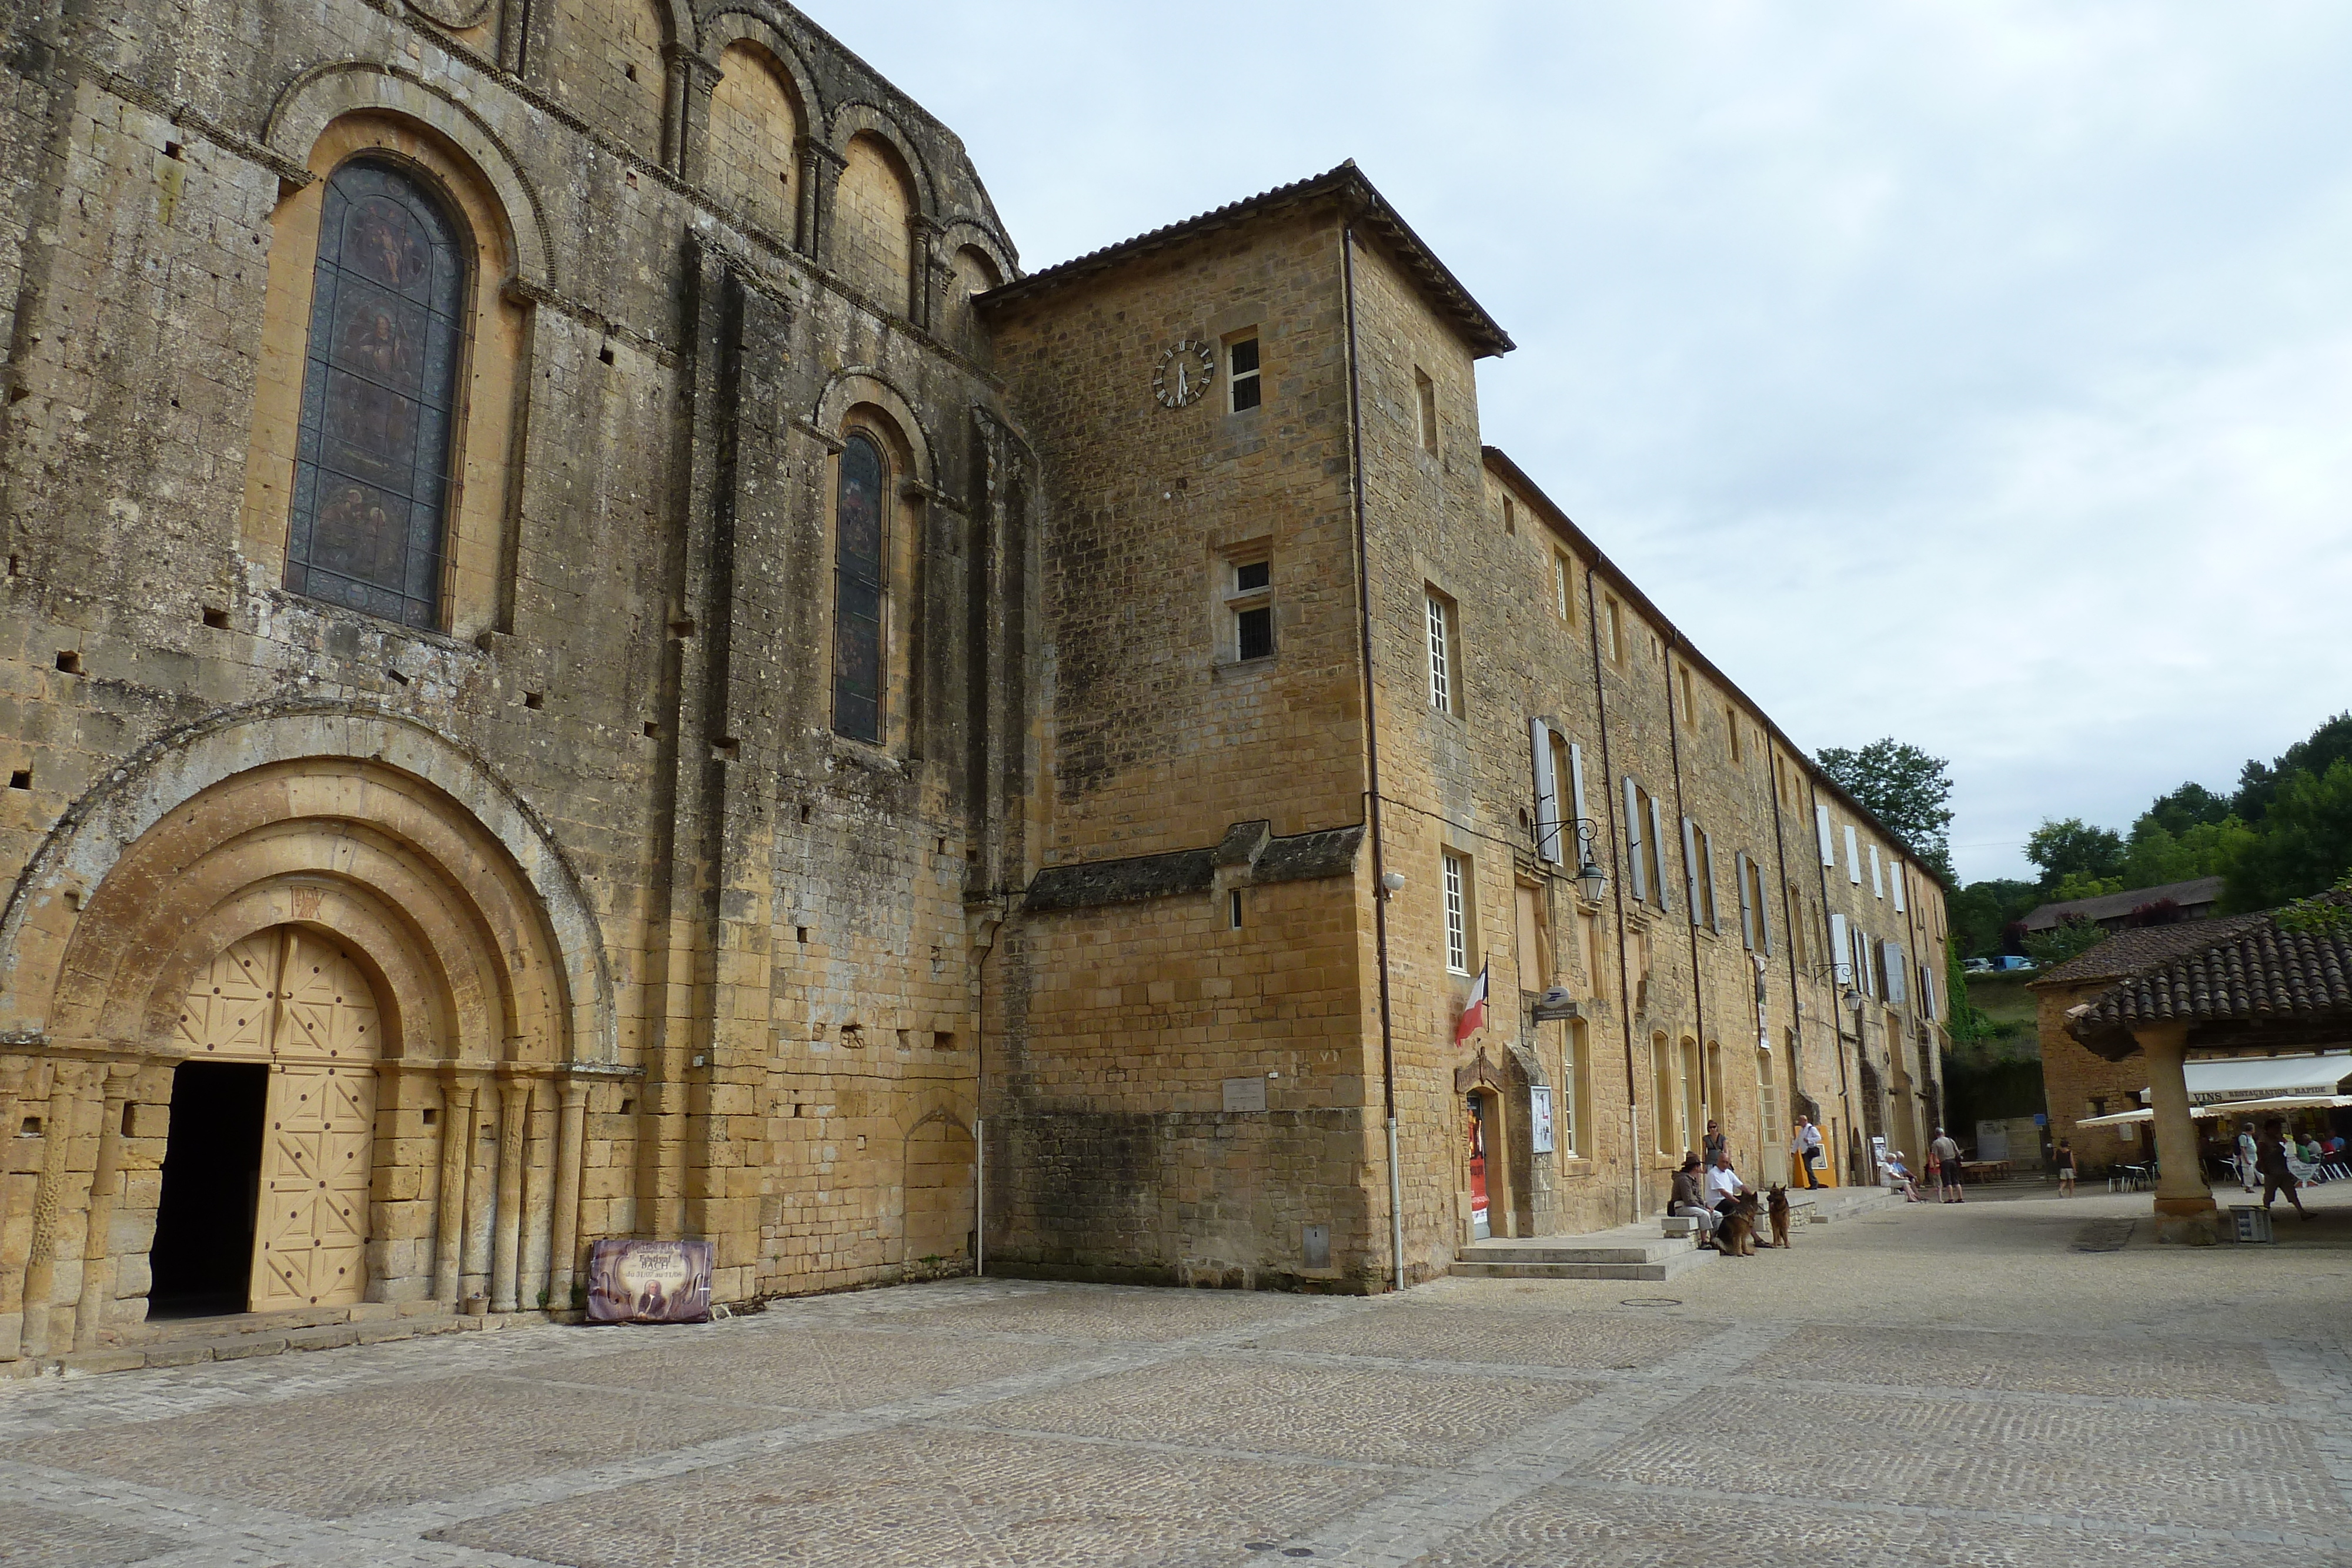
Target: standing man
(2249, 1156)
(2271, 1159)
(1948, 1167)
(1807, 1146)
(2065, 1163)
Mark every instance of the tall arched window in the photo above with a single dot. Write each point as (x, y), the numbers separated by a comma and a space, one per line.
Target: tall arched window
(860, 517)
(372, 472)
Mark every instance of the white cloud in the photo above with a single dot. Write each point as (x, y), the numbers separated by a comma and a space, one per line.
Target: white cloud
(1975, 373)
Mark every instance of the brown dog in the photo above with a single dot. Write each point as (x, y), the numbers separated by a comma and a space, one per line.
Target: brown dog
(1735, 1233)
(1776, 1204)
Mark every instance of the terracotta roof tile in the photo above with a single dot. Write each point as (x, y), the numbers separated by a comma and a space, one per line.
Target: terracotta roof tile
(2245, 971)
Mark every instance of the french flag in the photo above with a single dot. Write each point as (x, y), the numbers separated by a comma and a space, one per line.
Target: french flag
(1473, 1011)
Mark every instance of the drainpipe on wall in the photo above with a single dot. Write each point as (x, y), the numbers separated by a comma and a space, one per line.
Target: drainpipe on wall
(1372, 758)
(1837, 1016)
(1617, 887)
(1690, 870)
(1792, 912)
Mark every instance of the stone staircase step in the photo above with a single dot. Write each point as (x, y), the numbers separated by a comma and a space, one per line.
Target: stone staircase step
(1662, 1269)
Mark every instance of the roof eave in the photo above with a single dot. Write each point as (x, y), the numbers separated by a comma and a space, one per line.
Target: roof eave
(1345, 184)
(1562, 523)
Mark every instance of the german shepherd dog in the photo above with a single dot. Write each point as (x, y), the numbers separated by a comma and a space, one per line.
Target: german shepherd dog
(1735, 1233)
(1776, 1204)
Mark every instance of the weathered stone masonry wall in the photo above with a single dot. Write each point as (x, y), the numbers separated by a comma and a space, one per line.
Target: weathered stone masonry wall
(651, 544)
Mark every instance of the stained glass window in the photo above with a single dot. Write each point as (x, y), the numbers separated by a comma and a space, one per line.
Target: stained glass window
(372, 478)
(857, 583)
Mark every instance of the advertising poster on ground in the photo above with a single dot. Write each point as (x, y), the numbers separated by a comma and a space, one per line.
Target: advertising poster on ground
(649, 1282)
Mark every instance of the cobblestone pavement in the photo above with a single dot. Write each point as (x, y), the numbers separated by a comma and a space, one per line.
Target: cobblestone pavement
(1949, 1385)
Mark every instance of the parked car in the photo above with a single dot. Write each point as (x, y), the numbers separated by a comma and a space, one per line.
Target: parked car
(1977, 965)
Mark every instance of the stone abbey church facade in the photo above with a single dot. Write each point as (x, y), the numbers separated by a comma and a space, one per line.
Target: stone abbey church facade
(583, 655)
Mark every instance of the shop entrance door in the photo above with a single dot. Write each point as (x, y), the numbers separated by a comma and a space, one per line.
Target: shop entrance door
(1481, 1222)
(290, 999)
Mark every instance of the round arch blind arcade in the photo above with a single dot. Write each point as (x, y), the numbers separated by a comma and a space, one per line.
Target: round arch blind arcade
(372, 476)
(857, 591)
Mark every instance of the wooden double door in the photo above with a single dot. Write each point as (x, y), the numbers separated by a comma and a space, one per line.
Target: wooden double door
(291, 998)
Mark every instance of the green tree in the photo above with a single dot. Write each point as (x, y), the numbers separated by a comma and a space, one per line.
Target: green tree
(2191, 805)
(2072, 847)
(2258, 783)
(1980, 914)
(2157, 854)
(1904, 787)
(1969, 1023)
(2304, 844)
(2069, 938)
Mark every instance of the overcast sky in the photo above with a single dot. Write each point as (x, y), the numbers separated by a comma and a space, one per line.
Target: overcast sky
(1975, 373)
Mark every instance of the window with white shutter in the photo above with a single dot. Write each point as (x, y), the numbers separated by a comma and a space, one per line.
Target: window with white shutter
(1895, 875)
(1576, 796)
(1658, 855)
(1690, 868)
(1878, 883)
(1634, 855)
(1547, 845)
(1747, 909)
(1897, 974)
(1763, 917)
(1828, 844)
(1707, 863)
(1853, 857)
(1926, 993)
(1841, 950)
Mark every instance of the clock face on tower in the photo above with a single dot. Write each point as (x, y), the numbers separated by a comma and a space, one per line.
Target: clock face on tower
(1184, 373)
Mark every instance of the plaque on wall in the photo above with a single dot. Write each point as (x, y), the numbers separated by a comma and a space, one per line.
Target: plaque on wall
(649, 1282)
(1539, 1116)
(1245, 1094)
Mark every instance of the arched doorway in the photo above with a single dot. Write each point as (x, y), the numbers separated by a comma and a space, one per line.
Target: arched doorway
(938, 1194)
(1478, 1129)
(272, 1131)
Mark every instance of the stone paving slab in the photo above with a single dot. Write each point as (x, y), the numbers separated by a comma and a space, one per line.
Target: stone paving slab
(2140, 1466)
(67, 1539)
(943, 1499)
(342, 1454)
(1504, 1335)
(816, 1369)
(2177, 1369)
(1953, 1386)
(1382, 1416)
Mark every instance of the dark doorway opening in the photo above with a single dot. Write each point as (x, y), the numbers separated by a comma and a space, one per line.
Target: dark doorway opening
(203, 1253)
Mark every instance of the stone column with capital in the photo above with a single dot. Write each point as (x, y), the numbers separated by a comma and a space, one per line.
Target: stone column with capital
(564, 1243)
(66, 1088)
(533, 1290)
(821, 169)
(687, 131)
(14, 1072)
(2185, 1211)
(449, 1209)
(923, 234)
(105, 1185)
(506, 1237)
